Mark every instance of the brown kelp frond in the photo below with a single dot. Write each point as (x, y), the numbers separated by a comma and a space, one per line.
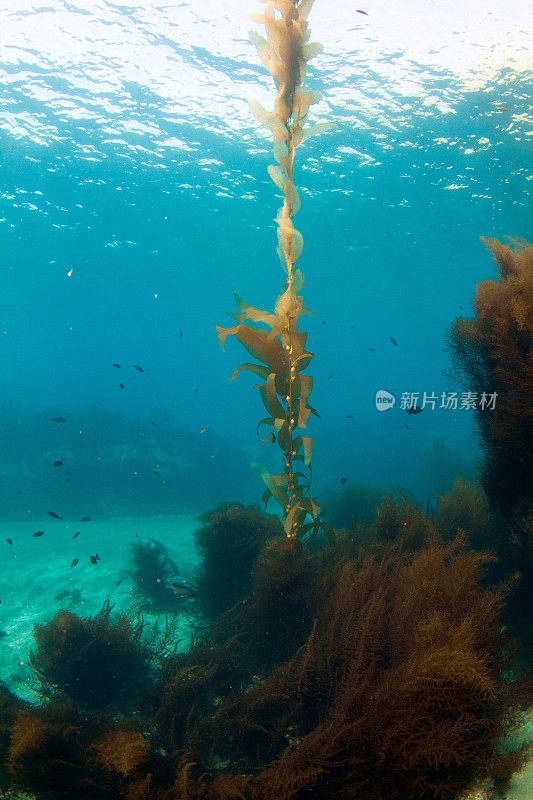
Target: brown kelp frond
(492, 354)
(401, 690)
(281, 347)
(94, 661)
(229, 540)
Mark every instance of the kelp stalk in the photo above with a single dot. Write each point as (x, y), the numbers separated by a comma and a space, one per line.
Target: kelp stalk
(281, 350)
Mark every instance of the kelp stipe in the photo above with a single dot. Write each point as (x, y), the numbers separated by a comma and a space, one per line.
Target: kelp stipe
(281, 350)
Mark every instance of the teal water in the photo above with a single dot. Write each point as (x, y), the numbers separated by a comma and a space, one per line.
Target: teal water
(135, 197)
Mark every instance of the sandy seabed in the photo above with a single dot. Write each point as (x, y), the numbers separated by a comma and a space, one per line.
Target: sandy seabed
(37, 578)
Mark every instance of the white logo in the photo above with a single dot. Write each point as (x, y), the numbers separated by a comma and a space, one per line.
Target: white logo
(384, 400)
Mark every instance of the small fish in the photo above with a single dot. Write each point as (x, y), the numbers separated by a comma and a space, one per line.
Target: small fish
(74, 595)
(219, 488)
(95, 558)
(182, 591)
(117, 366)
(76, 535)
(119, 582)
(360, 11)
(349, 416)
(351, 327)
(85, 519)
(68, 473)
(54, 515)
(415, 410)
(138, 368)
(330, 377)
(74, 562)
(155, 472)
(181, 334)
(58, 463)
(37, 534)
(121, 385)
(344, 480)
(407, 426)
(195, 390)
(393, 340)
(501, 108)
(461, 308)
(10, 541)
(372, 349)
(58, 419)
(323, 322)
(203, 430)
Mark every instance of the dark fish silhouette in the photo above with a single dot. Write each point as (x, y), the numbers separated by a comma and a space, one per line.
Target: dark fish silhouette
(54, 515)
(37, 534)
(349, 416)
(10, 541)
(117, 366)
(74, 595)
(58, 419)
(138, 368)
(74, 562)
(360, 11)
(415, 410)
(58, 463)
(393, 340)
(372, 349)
(182, 591)
(195, 390)
(121, 385)
(344, 480)
(95, 558)
(85, 519)
(181, 334)
(351, 327)
(68, 473)
(76, 535)
(330, 377)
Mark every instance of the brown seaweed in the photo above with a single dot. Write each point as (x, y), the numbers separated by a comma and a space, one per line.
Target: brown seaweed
(281, 348)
